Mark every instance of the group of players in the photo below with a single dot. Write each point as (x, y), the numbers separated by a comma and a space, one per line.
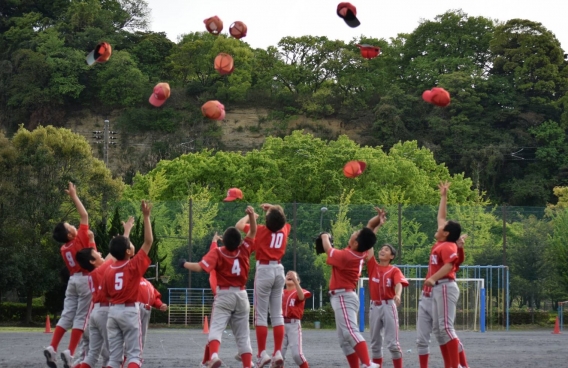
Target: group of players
(122, 299)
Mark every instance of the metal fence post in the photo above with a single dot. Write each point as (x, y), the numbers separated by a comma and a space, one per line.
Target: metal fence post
(295, 233)
(190, 246)
(399, 233)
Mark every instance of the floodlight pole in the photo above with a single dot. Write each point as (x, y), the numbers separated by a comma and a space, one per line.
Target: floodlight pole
(323, 210)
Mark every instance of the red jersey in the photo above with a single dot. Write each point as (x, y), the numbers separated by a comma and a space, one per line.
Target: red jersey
(346, 268)
(70, 249)
(122, 279)
(96, 278)
(461, 257)
(147, 294)
(383, 279)
(270, 246)
(292, 307)
(232, 268)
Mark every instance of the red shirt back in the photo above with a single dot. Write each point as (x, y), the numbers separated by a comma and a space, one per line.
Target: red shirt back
(292, 307)
(70, 249)
(346, 268)
(270, 246)
(122, 279)
(96, 278)
(383, 279)
(147, 294)
(232, 268)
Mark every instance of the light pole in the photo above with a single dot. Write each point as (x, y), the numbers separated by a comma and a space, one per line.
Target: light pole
(323, 210)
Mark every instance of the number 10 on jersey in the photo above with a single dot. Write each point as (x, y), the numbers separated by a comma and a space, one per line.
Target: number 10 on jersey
(277, 240)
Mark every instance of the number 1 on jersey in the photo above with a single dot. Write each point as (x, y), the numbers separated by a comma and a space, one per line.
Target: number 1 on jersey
(277, 240)
(236, 270)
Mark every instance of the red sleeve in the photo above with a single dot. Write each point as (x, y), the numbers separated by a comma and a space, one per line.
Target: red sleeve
(307, 294)
(371, 266)
(213, 245)
(157, 298)
(157, 303)
(247, 228)
(399, 278)
(335, 257)
(140, 263)
(83, 236)
(286, 229)
(249, 244)
(461, 256)
(209, 261)
(449, 253)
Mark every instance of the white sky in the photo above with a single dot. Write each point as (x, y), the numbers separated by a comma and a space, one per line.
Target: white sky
(270, 20)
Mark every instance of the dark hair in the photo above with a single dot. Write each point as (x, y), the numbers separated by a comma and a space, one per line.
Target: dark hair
(60, 233)
(275, 218)
(454, 229)
(392, 250)
(366, 239)
(118, 246)
(232, 238)
(84, 258)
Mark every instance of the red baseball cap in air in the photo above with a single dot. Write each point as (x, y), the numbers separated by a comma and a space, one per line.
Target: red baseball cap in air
(160, 95)
(232, 194)
(100, 54)
(348, 12)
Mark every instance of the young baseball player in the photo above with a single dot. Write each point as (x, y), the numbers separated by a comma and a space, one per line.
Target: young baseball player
(77, 295)
(269, 281)
(91, 260)
(445, 292)
(231, 305)
(424, 322)
(346, 266)
(149, 298)
(293, 301)
(121, 286)
(386, 283)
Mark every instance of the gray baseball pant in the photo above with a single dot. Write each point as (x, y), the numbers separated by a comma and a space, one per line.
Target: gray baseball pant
(269, 282)
(231, 307)
(424, 326)
(145, 320)
(124, 335)
(444, 300)
(77, 302)
(346, 308)
(293, 341)
(98, 344)
(384, 317)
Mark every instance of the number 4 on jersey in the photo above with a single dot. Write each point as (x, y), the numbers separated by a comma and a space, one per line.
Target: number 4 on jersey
(236, 270)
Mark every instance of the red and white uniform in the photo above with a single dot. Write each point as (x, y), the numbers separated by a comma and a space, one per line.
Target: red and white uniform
(346, 267)
(232, 268)
(231, 304)
(293, 310)
(270, 246)
(78, 294)
(96, 278)
(149, 298)
(383, 314)
(70, 249)
(122, 287)
(427, 290)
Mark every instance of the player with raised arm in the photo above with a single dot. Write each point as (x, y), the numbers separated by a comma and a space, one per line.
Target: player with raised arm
(346, 266)
(385, 283)
(269, 281)
(78, 295)
(442, 278)
(91, 260)
(121, 286)
(231, 305)
(424, 321)
(293, 302)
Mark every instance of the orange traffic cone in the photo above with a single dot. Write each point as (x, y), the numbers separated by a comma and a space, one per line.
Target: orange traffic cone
(47, 324)
(206, 326)
(556, 327)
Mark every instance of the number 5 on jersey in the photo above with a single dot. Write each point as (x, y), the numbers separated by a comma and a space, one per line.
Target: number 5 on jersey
(236, 270)
(118, 281)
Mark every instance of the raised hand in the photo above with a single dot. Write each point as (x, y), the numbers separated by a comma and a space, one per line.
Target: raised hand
(216, 237)
(71, 190)
(265, 206)
(250, 211)
(146, 208)
(128, 225)
(382, 215)
(443, 186)
(461, 241)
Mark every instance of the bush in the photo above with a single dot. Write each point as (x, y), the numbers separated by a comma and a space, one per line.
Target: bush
(149, 119)
(16, 312)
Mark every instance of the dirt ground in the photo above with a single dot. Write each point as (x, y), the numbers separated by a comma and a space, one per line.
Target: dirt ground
(167, 348)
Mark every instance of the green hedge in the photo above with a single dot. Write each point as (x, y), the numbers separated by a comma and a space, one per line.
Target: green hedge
(16, 312)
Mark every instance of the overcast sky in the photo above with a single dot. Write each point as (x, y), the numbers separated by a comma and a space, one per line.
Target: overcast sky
(270, 20)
